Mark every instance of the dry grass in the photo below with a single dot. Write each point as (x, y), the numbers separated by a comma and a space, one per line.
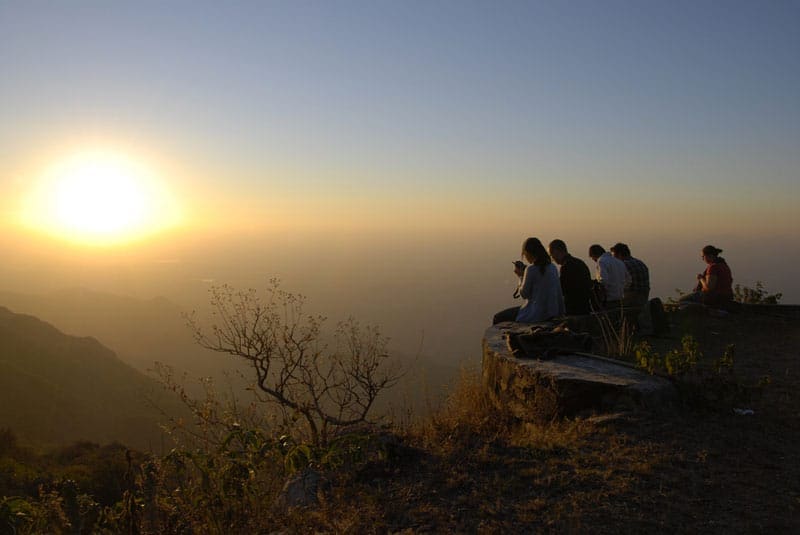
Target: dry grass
(467, 416)
(470, 468)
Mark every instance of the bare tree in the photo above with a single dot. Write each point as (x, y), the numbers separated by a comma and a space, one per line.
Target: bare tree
(310, 383)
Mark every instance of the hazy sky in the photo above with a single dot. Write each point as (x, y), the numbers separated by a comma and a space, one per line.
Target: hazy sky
(422, 141)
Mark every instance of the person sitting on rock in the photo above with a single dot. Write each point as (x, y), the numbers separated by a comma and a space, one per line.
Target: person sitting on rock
(612, 276)
(636, 294)
(576, 281)
(715, 285)
(539, 286)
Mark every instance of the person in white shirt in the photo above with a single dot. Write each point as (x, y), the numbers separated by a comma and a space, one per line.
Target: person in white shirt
(612, 276)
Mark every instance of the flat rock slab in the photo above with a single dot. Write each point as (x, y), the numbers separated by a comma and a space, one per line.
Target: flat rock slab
(565, 385)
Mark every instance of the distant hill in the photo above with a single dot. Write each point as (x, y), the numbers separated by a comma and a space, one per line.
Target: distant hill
(56, 388)
(141, 332)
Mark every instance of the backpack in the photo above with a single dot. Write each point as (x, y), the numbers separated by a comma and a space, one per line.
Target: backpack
(658, 317)
(547, 343)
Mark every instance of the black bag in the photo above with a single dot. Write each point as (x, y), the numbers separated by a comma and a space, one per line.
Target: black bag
(547, 343)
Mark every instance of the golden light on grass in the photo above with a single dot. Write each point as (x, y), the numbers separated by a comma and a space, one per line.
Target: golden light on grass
(99, 198)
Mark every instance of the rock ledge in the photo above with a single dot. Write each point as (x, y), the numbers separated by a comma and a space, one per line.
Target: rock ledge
(566, 385)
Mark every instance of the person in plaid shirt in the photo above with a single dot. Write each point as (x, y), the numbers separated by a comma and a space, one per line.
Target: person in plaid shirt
(637, 291)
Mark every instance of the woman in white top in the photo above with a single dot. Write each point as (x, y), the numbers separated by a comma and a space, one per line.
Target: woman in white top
(539, 286)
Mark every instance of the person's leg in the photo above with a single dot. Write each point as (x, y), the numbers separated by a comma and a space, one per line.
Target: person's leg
(715, 301)
(631, 309)
(613, 310)
(598, 296)
(643, 318)
(694, 297)
(509, 314)
(658, 317)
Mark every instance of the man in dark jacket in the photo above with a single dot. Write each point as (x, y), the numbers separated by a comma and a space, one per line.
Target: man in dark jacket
(576, 281)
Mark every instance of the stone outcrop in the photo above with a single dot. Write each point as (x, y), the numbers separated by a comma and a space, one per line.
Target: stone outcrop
(300, 490)
(565, 384)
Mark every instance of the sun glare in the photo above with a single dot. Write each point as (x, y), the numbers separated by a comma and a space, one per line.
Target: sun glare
(99, 199)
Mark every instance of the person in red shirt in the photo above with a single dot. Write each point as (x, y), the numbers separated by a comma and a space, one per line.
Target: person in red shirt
(715, 284)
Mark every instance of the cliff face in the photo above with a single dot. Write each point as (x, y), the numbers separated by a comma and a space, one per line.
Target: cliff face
(539, 390)
(56, 388)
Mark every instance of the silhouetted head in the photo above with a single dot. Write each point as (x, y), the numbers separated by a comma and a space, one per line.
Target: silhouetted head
(535, 253)
(710, 254)
(596, 251)
(621, 251)
(558, 250)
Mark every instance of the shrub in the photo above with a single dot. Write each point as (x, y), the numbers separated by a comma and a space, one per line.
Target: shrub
(755, 296)
(699, 386)
(315, 388)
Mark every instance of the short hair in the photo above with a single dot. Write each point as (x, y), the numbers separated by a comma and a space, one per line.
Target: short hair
(710, 250)
(558, 245)
(596, 250)
(621, 249)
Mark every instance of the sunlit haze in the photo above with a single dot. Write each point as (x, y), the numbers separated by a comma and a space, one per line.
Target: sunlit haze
(98, 198)
(388, 159)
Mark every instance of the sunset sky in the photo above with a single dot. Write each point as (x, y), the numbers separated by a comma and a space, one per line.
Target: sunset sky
(420, 140)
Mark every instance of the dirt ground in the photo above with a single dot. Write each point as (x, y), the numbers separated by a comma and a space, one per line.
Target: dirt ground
(683, 469)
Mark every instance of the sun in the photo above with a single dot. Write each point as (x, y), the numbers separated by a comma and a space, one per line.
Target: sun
(100, 198)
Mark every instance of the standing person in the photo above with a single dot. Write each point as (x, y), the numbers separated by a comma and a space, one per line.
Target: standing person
(612, 276)
(715, 284)
(637, 290)
(576, 281)
(539, 287)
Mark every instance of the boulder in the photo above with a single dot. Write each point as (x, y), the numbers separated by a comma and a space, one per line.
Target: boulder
(300, 490)
(566, 384)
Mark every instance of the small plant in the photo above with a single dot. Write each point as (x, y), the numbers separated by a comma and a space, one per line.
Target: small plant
(683, 359)
(725, 362)
(755, 296)
(675, 362)
(647, 359)
(700, 386)
(15, 514)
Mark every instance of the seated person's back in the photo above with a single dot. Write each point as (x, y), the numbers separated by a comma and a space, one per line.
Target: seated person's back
(576, 281)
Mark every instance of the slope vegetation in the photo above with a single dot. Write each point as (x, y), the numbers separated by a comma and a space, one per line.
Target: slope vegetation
(56, 388)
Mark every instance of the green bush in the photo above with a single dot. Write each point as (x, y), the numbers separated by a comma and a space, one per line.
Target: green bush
(675, 363)
(700, 384)
(755, 296)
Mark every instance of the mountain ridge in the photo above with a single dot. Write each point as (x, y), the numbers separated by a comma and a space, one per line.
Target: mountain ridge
(56, 388)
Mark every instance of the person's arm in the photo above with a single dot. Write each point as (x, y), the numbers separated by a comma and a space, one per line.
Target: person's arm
(709, 282)
(602, 269)
(583, 278)
(519, 270)
(566, 277)
(528, 281)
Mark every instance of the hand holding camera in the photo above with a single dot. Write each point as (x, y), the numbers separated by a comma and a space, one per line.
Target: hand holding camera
(519, 267)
